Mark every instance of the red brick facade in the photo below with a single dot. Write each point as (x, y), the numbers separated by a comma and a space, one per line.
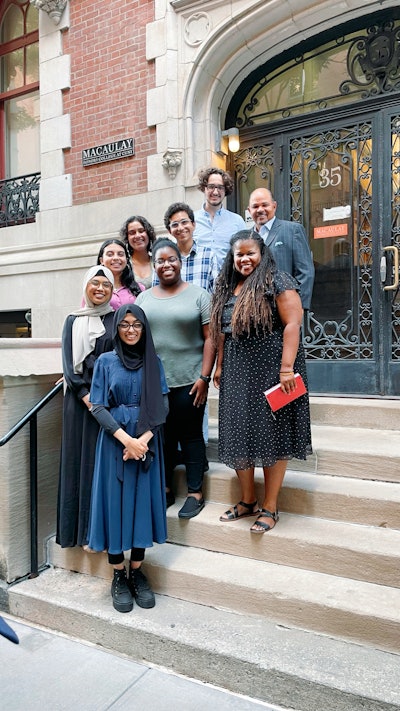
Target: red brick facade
(107, 99)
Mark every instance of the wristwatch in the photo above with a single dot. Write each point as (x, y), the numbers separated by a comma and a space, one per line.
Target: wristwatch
(205, 378)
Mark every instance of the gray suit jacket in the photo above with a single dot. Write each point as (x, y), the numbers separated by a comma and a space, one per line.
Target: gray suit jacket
(289, 246)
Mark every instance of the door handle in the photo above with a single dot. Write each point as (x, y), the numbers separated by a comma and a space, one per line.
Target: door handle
(395, 284)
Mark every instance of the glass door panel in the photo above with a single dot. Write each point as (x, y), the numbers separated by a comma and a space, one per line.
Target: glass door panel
(336, 171)
(254, 166)
(342, 182)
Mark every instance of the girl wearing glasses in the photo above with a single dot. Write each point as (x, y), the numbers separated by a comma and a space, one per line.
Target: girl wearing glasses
(86, 334)
(128, 509)
(178, 314)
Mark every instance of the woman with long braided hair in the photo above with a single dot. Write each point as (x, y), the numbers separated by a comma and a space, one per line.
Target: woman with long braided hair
(255, 324)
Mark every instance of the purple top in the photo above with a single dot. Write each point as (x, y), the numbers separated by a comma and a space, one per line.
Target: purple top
(121, 296)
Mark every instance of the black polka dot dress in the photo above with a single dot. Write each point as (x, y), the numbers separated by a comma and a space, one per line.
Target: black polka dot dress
(249, 434)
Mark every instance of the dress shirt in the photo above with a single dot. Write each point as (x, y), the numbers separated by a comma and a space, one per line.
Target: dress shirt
(264, 229)
(216, 233)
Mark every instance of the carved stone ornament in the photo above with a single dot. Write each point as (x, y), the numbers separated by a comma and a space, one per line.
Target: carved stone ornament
(172, 160)
(54, 8)
(197, 27)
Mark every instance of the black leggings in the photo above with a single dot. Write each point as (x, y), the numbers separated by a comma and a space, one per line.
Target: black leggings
(137, 555)
(185, 425)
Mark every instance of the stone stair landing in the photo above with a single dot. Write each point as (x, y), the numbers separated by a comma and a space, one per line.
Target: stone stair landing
(306, 616)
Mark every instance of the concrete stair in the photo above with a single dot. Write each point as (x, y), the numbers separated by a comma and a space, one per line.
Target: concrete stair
(356, 438)
(284, 616)
(246, 654)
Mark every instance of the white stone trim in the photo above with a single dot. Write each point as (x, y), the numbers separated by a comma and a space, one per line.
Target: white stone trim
(55, 126)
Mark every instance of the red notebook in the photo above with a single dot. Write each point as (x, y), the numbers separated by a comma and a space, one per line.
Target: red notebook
(277, 399)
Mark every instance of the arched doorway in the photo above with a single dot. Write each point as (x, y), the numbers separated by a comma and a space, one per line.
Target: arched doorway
(322, 130)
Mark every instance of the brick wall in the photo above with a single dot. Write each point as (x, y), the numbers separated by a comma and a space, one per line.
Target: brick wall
(107, 99)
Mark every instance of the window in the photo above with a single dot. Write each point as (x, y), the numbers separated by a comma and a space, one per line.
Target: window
(344, 70)
(19, 89)
(15, 324)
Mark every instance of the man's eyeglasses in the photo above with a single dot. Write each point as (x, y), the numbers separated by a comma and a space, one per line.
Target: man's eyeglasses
(170, 260)
(125, 326)
(106, 285)
(212, 188)
(178, 223)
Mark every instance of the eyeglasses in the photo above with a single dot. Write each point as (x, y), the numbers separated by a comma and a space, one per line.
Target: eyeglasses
(212, 188)
(106, 285)
(174, 225)
(125, 326)
(170, 260)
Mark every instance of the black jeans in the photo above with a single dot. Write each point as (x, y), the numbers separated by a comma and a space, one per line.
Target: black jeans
(185, 425)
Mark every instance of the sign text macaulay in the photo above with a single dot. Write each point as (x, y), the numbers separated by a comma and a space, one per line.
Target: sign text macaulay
(123, 148)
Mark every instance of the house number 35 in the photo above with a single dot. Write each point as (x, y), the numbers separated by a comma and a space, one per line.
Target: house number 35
(330, 177)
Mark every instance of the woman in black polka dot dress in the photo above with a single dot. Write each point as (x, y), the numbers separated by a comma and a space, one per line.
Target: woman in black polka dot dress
(255, 322)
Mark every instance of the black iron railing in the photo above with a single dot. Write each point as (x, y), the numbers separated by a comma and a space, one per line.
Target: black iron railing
(31, 417)
(19, 199)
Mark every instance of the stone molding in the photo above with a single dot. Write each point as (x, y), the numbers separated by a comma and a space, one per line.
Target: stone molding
(54, 8)
(197, 28)
(172, 160)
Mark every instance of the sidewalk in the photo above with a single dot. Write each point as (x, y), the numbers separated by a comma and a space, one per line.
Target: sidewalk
(51, 671)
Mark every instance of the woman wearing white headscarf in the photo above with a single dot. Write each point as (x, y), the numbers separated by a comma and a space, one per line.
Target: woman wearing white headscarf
(87, 333)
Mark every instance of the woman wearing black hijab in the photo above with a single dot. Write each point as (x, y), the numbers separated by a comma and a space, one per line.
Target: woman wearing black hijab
(128, 510)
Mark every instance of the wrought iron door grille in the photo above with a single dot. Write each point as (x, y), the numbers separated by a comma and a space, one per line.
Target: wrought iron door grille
(347, 149)
(395, 229)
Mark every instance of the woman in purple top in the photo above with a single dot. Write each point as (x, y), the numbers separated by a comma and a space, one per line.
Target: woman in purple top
(113, 255)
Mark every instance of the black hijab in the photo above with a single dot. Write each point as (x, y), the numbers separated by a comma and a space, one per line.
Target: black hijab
(142, 355)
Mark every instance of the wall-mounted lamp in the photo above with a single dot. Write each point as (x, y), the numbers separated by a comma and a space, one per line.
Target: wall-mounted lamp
(228, 141)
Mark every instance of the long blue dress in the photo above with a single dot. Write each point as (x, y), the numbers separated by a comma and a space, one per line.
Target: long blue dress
(128, 503)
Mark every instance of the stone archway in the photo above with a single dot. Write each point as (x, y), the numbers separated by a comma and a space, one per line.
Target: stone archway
(233, 48)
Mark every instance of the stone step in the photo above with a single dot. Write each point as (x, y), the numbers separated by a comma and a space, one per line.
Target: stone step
(344, 550)
(245, 653)
(342, 451)
(374, 503)
(369, 413)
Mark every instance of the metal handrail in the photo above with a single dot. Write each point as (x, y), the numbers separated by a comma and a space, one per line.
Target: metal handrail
(31, 417)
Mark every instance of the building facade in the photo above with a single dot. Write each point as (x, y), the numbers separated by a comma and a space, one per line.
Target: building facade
(130, 100)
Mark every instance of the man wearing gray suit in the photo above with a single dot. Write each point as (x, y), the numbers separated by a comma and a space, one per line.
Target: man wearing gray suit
(286, 240)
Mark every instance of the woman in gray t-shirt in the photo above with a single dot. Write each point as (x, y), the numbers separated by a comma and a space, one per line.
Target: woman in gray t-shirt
(179, 314)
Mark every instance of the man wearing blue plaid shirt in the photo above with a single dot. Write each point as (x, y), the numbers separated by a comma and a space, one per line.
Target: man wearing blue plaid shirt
(199, 264)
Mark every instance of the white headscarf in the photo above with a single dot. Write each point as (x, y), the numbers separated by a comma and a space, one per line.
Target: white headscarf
(89, 326)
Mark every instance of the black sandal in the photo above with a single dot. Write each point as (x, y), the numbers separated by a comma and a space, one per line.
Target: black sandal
(264, 526)
(233, 514)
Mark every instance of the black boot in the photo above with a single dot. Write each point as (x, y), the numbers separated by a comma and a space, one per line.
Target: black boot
(140, 588)
(121, 595)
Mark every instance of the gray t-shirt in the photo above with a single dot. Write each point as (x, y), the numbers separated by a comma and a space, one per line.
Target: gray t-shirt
(176, 325)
